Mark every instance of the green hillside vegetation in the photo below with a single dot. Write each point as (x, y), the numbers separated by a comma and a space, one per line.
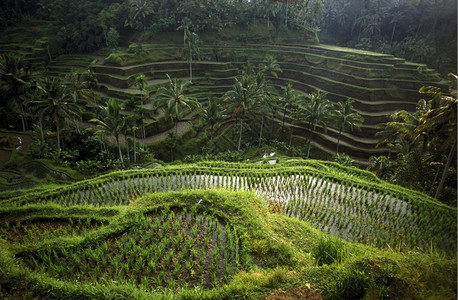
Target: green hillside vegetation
(227, 230)
(253, 149)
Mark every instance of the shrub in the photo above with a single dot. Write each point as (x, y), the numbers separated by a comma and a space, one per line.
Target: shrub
(114, 59)
(328, 251)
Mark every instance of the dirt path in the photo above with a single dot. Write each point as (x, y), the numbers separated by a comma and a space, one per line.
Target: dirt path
(183, 126)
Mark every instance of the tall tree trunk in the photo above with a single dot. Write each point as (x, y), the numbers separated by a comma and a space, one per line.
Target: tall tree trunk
(392, 33)
(268, 20)
(41, 132)
(308, 148)
(309, 140)
(22, 114)
(135, 150)
(283, 121)
(119, 151)
(176, 137)
(353, 27)
(106, 37)
(240, 134)
(143, 123)
(260, 133)
(435, 178)
(49, 53)
(338, 140)
(286, 18)
(359, 32)
(58, 135)
(444, 173)
(190, 69)
(127, 148)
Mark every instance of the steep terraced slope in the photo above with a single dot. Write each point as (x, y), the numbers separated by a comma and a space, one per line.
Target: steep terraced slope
(379, 84)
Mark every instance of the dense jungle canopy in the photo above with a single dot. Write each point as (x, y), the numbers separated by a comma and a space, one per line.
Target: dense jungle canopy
(418, 30)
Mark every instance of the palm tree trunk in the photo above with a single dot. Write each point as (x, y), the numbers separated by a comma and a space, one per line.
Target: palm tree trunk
(338, 140)
(309, 140)
(260, 133)
(392, 33)
(22, 116)
(119, 151)
(286, 18)
(58, 135)
(283, 121)
(127, 148)
(41, 132)
(435, 178)
(240, 134)
(135, 150)
(308, 148)
(143, 124)
(190, 69)
(444, 173)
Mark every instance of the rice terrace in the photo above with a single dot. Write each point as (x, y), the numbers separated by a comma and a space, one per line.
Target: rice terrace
(228, 149)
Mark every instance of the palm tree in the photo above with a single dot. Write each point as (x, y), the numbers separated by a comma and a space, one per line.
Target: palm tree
(77, 85)
(345, 116)
(15, 78)
(315, 109)
(191, 50)
(174, 99)
(55, 103)
(441, 120)
(139, 10)
(130, 126)
(270, 65)
(241, 98)
(288, 101)
(264, 109)
(112, 123)
(400, 130)
(186, 24)
(213, 114)
(270, 9)
(140, 81)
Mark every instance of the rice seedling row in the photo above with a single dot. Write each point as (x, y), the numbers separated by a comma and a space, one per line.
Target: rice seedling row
(170, 248)
(342, 207)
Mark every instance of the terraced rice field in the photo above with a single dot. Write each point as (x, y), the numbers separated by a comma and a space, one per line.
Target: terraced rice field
(347, 203)
(168, 248)
(379, 84)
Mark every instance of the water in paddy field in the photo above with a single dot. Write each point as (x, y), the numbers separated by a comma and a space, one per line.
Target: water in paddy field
(345, 211)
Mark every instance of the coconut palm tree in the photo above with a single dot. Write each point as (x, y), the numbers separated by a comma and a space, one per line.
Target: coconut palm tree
(111, 123)
(15, 79)
(139, 10)
(77, 85)
(240, 99)
(140, 81)
(440, 120)
(399, 131)
(173, 98)
(314, 110)
(191, 50)
(287, 101)
(55, 103)
(345, 117)
(213, 114)
(186, 24)
(270, 66)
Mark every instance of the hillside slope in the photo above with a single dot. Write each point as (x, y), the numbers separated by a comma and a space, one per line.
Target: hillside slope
(187, 232)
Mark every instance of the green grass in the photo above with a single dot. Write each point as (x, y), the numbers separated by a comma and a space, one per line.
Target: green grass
(115, 252)
(351, 204)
